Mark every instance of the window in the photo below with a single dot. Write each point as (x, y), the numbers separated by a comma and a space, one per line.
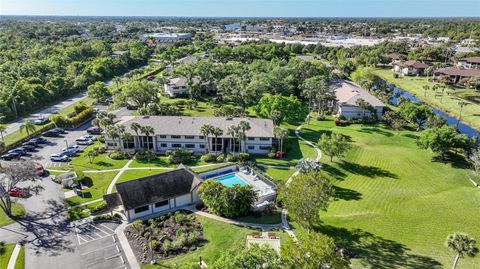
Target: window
(264, 147)
(141, 209)
(176, 136)
(163, 145)
(163, 136)
(189, 137)
(162, 203)
(264, 138)
(201, 137)
(251, 138)
(109, 144)
(190, 146)
(177, 145)
(128, 144)
(202, 146)
(251, 147)
(146, 142)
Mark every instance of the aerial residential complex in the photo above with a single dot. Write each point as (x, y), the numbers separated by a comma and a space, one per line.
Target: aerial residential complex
(348, 95)
(175, 132)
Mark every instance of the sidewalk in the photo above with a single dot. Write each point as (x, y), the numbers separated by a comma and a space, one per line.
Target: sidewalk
(13, 258)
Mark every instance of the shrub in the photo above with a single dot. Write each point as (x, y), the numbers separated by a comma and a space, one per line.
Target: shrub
(117, 155)
(98, 207)
(167, 246)
(209, 157)
(220, 158)
(101, 139)
(107, 217)
(396, 75)
(271, 155)
(2, 247)
(180, 156)
(74, 120)
(145, 155)
(243, 157)
(231, 202)
(231, 158)
(154, 244)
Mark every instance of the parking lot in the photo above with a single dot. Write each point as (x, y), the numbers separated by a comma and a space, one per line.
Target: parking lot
(98, 245)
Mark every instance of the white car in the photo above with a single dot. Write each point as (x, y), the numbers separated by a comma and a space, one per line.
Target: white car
(91, 137)
(83, 141)
(59, 158)
(72, 147)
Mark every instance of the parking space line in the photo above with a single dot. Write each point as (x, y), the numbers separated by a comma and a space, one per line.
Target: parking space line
(79, 237)
(86, 253)
(106, 227)
(100, 230)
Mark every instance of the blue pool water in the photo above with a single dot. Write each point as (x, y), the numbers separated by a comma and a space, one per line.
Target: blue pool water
(230, 180)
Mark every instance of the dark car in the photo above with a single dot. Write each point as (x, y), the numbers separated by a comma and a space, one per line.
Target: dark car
(39, 140)
(95, 130)
(69, 152)
(30, 143)
(50, 134)
(27, 148)
(10, 156)
(18, 150)
(59, 130)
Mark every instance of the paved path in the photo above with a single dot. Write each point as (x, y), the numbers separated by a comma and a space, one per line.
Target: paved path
(122, 239)
(13, 258)
(119, 174)
(264, 227)
(285, 225)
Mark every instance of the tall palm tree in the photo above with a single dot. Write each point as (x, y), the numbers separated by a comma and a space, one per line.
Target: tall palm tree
(425, 89)
(136, 127)
(280, 134)
(463, 245)
(27, 126)
(233, 131)
(217, 132)
(206, 130)
(3, 128)
(243, 126)
(112, 132)
(147, 130)
(121, 133)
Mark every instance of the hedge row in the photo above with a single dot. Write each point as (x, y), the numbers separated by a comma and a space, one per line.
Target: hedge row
(75, 120)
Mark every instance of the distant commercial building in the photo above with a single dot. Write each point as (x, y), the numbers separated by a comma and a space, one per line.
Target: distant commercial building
(347, 94)
(153, 38)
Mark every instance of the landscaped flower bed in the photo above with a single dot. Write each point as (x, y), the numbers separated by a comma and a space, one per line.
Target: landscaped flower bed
(164, 237)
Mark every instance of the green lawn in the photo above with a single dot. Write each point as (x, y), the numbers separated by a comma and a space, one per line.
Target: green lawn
(279, 175)
(161, 161)
(274, 218)
(5, 257)
(449, 104)
(394, 205)
(204, 169)
(20, 263)
(220, 238)
(18, 211)
(98, 185)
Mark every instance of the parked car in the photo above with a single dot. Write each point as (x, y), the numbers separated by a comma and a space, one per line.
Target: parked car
(59, 130)
(83, 141)
(58, 157)
(10, 156)
(94, 130)
(72, 147)
(39, 140)
(69, 152)
(19, 151)
(41, 121)
(18, 192)
(91, 137)
(30, 143)
(27, 147)
(50, 133)
(96, 110)
(40, 170)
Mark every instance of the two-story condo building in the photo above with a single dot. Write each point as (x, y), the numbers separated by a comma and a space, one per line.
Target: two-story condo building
(175, 132)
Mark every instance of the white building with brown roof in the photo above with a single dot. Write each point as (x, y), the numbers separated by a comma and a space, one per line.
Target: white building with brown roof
(469, 63)
(180, 132)
(410, 68)
(348, 95)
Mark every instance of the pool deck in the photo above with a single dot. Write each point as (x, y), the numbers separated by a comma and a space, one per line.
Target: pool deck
(258, 185)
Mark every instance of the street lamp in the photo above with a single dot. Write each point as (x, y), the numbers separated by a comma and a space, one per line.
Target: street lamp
(66, 143)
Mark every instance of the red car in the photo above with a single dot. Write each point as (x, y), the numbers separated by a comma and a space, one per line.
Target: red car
(17, 192)
(95, 130)
(39, 170)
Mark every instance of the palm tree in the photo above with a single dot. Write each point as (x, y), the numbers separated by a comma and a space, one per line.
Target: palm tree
(463, 245)
(136, 127)
(2, 130)
(27, 126)
(243, 126)
(425, 89)
(217, 132)
(112, 132)
(280, 134)
(205, 130)
(233, 131)
(147, 130)
(121, 133)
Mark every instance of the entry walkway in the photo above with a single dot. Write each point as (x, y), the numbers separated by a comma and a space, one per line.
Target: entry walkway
(14, 257)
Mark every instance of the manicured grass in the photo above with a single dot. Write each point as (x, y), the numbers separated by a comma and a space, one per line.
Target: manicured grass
(139, 173)
(5, 257)
(98, 185)
(20, 263)
(279, 175)
(18, 211)
(395, 205)
(204, 169)
(449, 104)
(161, 161)
(203, 108)
(220, 238)
(101, 162)
(274, 218)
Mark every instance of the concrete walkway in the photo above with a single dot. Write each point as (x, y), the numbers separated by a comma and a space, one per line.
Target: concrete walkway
(122, 239)
(264, 227)
(114, 180)
(285, 225)
(13, 258)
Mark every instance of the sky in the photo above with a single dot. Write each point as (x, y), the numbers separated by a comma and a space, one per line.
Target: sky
(245, 8)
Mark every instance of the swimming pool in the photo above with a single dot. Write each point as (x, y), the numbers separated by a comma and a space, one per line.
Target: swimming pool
(230, 180)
